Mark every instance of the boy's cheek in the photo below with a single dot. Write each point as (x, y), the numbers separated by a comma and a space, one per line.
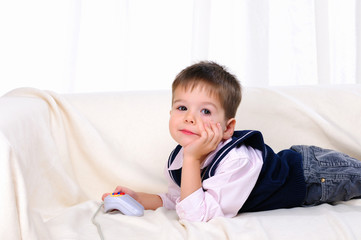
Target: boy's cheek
(201, 124)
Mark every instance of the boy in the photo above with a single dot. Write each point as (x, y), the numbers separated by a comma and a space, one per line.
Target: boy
(217, 171)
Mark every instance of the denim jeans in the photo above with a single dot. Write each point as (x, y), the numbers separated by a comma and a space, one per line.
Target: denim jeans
(330, 176)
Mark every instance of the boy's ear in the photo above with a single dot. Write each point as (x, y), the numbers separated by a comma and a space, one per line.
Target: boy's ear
(228, 132)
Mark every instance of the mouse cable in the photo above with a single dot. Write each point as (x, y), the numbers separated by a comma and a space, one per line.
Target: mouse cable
(97, 224)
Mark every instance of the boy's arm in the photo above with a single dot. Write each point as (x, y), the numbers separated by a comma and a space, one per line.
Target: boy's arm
(149, 201)
(193, 156)
(191, 177)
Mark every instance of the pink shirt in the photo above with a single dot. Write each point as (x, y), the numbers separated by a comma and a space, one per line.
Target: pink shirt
(224, 193)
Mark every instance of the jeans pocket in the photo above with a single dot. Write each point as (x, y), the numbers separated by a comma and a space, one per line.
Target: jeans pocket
(332, 159)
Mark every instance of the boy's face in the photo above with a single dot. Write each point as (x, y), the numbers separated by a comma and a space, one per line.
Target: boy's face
(190, 109)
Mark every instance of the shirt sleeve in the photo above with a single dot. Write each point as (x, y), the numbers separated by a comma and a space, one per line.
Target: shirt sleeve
(169, 199)
(224, 193)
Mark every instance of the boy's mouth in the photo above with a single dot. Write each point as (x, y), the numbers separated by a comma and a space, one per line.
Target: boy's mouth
(187, 132)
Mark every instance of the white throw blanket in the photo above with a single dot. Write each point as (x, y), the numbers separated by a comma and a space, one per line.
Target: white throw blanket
(59, 153)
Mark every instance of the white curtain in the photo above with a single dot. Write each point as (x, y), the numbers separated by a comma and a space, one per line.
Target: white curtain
(120, 45)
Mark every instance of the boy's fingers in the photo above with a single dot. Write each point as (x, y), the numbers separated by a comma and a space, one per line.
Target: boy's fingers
(217, 130)
(121, 189)
(118, 189)
(105, 195)
(210, 132)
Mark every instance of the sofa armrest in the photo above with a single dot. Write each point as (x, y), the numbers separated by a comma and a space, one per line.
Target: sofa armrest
(36, 177)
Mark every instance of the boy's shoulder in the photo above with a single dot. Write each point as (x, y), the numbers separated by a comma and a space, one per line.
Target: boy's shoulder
(253, 138)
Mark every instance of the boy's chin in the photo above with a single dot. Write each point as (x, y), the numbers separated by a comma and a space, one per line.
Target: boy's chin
(185, 142)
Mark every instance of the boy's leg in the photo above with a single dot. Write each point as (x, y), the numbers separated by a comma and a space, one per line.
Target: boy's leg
(330, 176)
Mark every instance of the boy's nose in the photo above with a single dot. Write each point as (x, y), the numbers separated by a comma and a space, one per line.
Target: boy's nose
(189, 118)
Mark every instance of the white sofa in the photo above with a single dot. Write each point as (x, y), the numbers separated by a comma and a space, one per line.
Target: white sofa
(60, 152)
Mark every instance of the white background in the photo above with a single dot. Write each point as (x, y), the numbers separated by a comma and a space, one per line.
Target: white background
(120, 45)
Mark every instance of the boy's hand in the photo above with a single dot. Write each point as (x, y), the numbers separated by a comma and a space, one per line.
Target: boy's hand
(211, 135)
(149, 201)
(124, 190)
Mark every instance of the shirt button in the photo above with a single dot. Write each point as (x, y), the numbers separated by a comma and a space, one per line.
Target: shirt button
(323, 180)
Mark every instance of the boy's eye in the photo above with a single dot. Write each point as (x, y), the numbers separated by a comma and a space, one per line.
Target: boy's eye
(182, 108)
(206, 111)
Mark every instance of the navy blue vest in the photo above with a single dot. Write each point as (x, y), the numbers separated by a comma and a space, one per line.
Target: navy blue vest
(281, 181)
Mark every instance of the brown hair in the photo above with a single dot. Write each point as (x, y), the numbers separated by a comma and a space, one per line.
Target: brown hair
(214, 78)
